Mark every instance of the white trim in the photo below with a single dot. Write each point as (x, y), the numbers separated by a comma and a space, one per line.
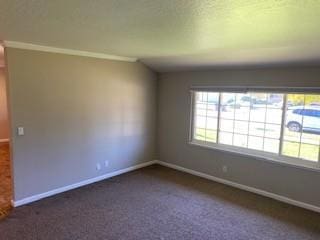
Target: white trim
(252, 88)
(29, 46)
(243, 187)
(4, 140)
(37, 197)
(173, 166)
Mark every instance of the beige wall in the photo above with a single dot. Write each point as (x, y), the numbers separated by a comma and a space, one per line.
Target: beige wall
(174, 122)
(77, 112)
(4, 124)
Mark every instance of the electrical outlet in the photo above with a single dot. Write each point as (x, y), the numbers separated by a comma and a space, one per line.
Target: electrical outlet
(98, 166)
(106, 163)
(224, 168)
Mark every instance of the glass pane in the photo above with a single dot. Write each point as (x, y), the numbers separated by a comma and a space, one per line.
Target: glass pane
(212, 104)
(259, 100)
(256, 129)
(242, 113)
(271, 145)
(198, 96)
(310, 138)
(211, 136)
(240, 140)
(309, 152)
(212, 110)
(199, 134)
(303, 125)
(227, 112)
(201, 109)
(213, 98)
(275, 100)
(243, 100)
(258, 114)
(226, 125)
(225, 138)
(272, 131)
(255, 143)
(212, 123)
(294, 100)
(294, 120)
(312, 100)
(290, 149)
(206, 112)
(201, 97)
(274, 115)
(228, 99)
(292, 136)
(241, 127)
(200, 122)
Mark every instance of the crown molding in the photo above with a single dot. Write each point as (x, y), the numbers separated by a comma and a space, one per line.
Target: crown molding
(29, 46)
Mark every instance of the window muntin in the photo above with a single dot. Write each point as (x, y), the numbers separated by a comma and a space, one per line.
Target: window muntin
(283, 125)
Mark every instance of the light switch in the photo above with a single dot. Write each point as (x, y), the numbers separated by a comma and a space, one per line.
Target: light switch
(20, 131)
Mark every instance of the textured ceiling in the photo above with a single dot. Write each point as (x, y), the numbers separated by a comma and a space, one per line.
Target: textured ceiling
(172, 34)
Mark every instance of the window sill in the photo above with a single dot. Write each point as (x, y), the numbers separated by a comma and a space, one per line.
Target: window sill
(287, 161)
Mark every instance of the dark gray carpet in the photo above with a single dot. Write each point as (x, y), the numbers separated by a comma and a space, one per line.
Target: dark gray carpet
(159, 203)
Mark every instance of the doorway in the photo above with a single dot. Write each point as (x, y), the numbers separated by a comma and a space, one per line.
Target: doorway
(5, 166)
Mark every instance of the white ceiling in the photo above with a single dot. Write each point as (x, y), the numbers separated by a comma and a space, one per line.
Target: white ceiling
(171, 35)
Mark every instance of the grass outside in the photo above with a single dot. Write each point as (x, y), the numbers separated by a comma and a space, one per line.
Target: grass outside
(308, 149)
(305, 151)
(206, 135)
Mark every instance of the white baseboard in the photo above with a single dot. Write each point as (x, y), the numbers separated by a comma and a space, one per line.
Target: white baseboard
(37, 197)
(4, 140)
(173, 166)
(243, 187)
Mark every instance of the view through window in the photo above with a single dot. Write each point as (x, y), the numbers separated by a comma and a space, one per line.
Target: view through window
(277, 123)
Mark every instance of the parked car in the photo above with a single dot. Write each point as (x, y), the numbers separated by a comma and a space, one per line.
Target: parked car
(303, 118)
(245, 101)
(315, 104)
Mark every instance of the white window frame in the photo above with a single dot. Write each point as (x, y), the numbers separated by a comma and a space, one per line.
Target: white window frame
(257, 154)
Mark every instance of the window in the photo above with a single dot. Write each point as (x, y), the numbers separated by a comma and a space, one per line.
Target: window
(280, 126)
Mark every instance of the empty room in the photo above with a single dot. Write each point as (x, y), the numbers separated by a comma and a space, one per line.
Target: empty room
(160, 119)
